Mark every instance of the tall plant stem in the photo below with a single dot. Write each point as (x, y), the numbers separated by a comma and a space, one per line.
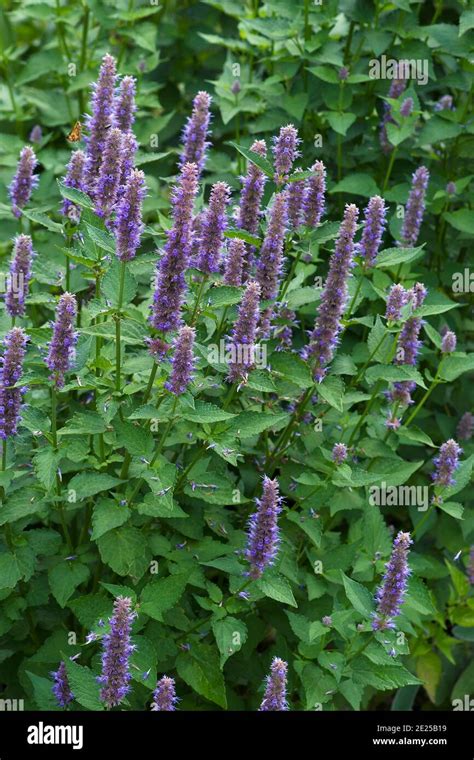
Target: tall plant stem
(389, 169)
(435, 382)
(199, 293)
(83, 58)
(118, 317)
(54, 437)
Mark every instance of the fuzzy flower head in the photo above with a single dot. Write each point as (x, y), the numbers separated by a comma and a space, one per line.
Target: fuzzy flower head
(164, 696)
(275, 690)
(170, 281)
(11, 368)
(406, 107)
(196, 131)
(314, 202)
(102, 106)
(263, 533)
(242, 344)
(446, 463)
(128, 222)
(110, 174)
(124, 107)
(296, 201)
(372, 232)
(415, 207)
(339, 453)
(129, 150)
(74, 178)
(213, 226)
(234, 263)
(61, 689)
(285, 151)
(252, 192)
(391, 592)
(61, 349)
(19, 277)
(117, 648)
(448, 343)
(182, 363)
(397, 299)
(270, 262)
(465, 426)
(325, 335)
(24, 181)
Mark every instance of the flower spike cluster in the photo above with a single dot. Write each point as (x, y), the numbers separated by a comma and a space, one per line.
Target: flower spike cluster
(128, 223)
(446, 463)
(314, 202)
(98, 123)
(465, 426)
(124, 108)
(285, 151)
(195, 133)
(263, 534)
(392, 590)
(275, 689)
(74, 178)
(325, 335)
(24, 181)
(110, 174)
(415, 208)
(61, 348)
(182, 361)
(19, 278)
(242, 343)
(61, 689)
(372, 232)
(11, 368)
(234, 263)
(117, 649)
(212, 230)
(270, 262)
(164, 696)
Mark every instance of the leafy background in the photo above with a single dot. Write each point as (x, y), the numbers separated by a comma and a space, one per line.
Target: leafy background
(289, 54)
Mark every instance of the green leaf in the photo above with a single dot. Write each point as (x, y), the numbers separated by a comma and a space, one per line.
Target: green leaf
(76, 196)
(277, 587)
(293, 368)
(249, 424)
(205, 412)
(381, 677)
(45, 462)
(43, 694)
(358, 596)
(392, 257)
(90, 483)
(456, 365)
(84, 686)
(230, 635)
(256, 159)
(161, 595)
(357, 184)
(340, 123)
(136, 439)
(10, 572)
(332, 391)
(392, 373)
(106, 516)
(44, 221)
(84, 423)
(64, 578)
(200, 669)
(111, 284)
(242, 235)
(125, 551)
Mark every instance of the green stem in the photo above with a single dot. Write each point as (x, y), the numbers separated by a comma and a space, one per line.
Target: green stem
(118, 317)
(202, 285)
(435, 382)
(352, 303)
(389, 169)
(54, 436)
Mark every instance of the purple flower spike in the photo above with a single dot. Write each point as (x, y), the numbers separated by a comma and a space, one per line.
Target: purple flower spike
(465, 427)
(372, 232)
(24, 181)
(448, 344)
(315, 195)
(170, 281)
(242, 344)
(110, 174)
(447, 462)
(182, 361)
(11, 367)
(327, 328)
(263, 534)
(296, 201)
(445, 103)
(196, 131)
(396, 89)
(275, 690)
(124, 110)
(253, 185)
(406, 107)
(128, 223)
(408, 346)
(234, 264)
(392, 591)
(61, 689)
(129, 150)
(98, 124)
(397, 299)
(117, 649)
(213, 226)
(285, 150)
(415, 207)
(19, 278)
(61, 348)
(74, 178)
(164, 696)
(339, 453)
(270, 262)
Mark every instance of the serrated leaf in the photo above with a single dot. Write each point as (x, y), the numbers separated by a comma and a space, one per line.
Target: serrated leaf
(230, 635)
(200, 669)
(84, 686)
(64, 578)
(358, 596)
(106, 516)
(45, 462)
(125, 551)
(91, 483)
(162, 594)
(278, 588)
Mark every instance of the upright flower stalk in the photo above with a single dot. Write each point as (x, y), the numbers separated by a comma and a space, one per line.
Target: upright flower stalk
(408, 347)
(19, 277)
(314, 201)
(182, 363)
(263, 533)
(415, 207)
(325, 335)
(128, 222)
(372, 231)
(98, 124)
(196, 132)
(110, 174)
(74, 178)
(285, 151)
(11, 368)
(253, 186)
(242, 343)
(270, 262)
(446, 463)
(164, 696)
(61, 689)
(61, 348)
(391, 593)
(212, 230)
(117, 649)
(275, 690)
(24, 181)
(170, 282)
(124, 105)
(234, 263)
